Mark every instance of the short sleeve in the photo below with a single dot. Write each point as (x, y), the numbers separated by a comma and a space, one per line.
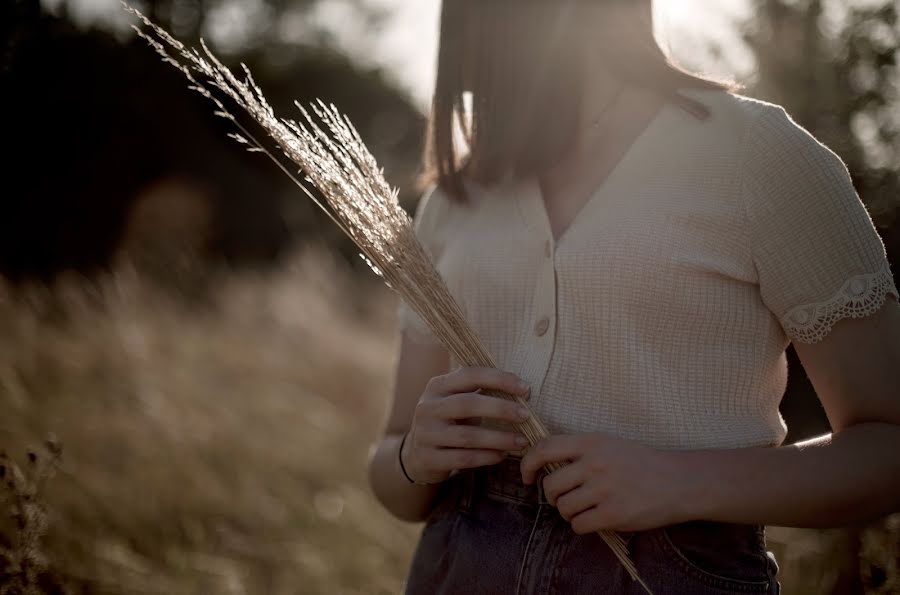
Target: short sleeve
(817, 253)
(429, 216)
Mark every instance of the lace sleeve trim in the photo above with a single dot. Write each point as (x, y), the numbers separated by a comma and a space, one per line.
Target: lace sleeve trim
(860, 296)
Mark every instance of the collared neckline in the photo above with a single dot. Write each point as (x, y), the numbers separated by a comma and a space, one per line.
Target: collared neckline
(530, 199)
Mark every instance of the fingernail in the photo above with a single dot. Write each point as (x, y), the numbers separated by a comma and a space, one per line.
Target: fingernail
(523, 386)
(521, 440)
(524, 413)
(527, 394)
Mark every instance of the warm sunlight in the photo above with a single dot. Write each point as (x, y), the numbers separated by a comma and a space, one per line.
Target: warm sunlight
(409, 41)
(599, 347)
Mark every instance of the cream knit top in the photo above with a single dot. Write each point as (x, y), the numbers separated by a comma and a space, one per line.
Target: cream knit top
(663, 312)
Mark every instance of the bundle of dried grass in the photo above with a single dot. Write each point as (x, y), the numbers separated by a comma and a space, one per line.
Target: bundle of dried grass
(330, 153)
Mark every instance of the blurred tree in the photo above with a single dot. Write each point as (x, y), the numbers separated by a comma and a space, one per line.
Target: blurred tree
(834, 66)
(93, 120)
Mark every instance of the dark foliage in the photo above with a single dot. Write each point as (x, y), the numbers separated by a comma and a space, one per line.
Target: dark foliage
(90, 122)
(829, 81)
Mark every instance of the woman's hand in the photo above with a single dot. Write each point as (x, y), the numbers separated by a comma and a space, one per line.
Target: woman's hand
(610, 484)
(444, 435)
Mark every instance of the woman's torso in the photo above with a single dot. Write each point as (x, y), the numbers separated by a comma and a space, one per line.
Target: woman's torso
(644, 319)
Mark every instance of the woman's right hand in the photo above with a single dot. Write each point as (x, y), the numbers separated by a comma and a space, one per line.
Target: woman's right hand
(445, 435)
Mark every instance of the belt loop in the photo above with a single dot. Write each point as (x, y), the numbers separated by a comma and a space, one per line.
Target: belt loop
(467, 490)
(539, 484)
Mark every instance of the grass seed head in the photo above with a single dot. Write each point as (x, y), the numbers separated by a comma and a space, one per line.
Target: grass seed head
(354, 193)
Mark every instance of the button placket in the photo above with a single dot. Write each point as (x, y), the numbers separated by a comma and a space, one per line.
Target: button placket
(540, 338)
(543, 327)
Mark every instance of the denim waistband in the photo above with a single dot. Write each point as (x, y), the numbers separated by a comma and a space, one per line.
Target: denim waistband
(503, 481)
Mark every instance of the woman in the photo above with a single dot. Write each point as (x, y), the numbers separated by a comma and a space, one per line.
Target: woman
(636, 246)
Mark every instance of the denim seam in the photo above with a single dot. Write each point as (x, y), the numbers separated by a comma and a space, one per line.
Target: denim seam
(525, 554)
(514, 493)
(510, 499)
(709, 578)
(562, 547)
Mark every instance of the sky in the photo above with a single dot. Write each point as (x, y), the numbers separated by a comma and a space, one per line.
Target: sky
(407, 46)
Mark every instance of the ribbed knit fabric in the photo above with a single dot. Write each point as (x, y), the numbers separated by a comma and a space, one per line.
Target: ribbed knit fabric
(664, 311)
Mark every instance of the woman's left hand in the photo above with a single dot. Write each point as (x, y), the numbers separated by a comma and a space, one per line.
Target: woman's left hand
(610, 484)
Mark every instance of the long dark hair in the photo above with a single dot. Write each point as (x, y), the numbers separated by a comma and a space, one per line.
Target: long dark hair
(523, 61)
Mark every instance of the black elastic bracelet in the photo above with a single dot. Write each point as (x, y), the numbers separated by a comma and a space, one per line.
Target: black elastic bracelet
(400, 458)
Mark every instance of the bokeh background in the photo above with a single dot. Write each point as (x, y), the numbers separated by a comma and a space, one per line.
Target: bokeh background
(215, 362)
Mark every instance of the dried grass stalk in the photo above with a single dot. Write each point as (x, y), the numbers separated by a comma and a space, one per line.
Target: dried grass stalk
(329, 152)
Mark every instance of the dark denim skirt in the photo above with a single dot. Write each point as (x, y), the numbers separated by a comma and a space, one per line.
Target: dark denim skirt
(489, 533)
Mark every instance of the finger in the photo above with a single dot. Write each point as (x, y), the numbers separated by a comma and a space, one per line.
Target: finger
(466, 405)
(590, 521)
(553, 449)
(466, 436)
(466, 380)
(577, 501)
(451, 459)
(562, 481)
(525, 397)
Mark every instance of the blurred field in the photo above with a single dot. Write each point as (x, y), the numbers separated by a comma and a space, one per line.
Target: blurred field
(218, 445)
(213, 448)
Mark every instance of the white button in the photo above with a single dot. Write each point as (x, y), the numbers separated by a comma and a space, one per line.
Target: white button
(542, 326)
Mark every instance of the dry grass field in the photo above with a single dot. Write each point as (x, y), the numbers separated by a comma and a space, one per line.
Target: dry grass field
(219, 445)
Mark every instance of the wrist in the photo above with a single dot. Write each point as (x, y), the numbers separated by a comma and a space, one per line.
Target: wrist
(690, 492)
(404, 464)
(400, 459)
